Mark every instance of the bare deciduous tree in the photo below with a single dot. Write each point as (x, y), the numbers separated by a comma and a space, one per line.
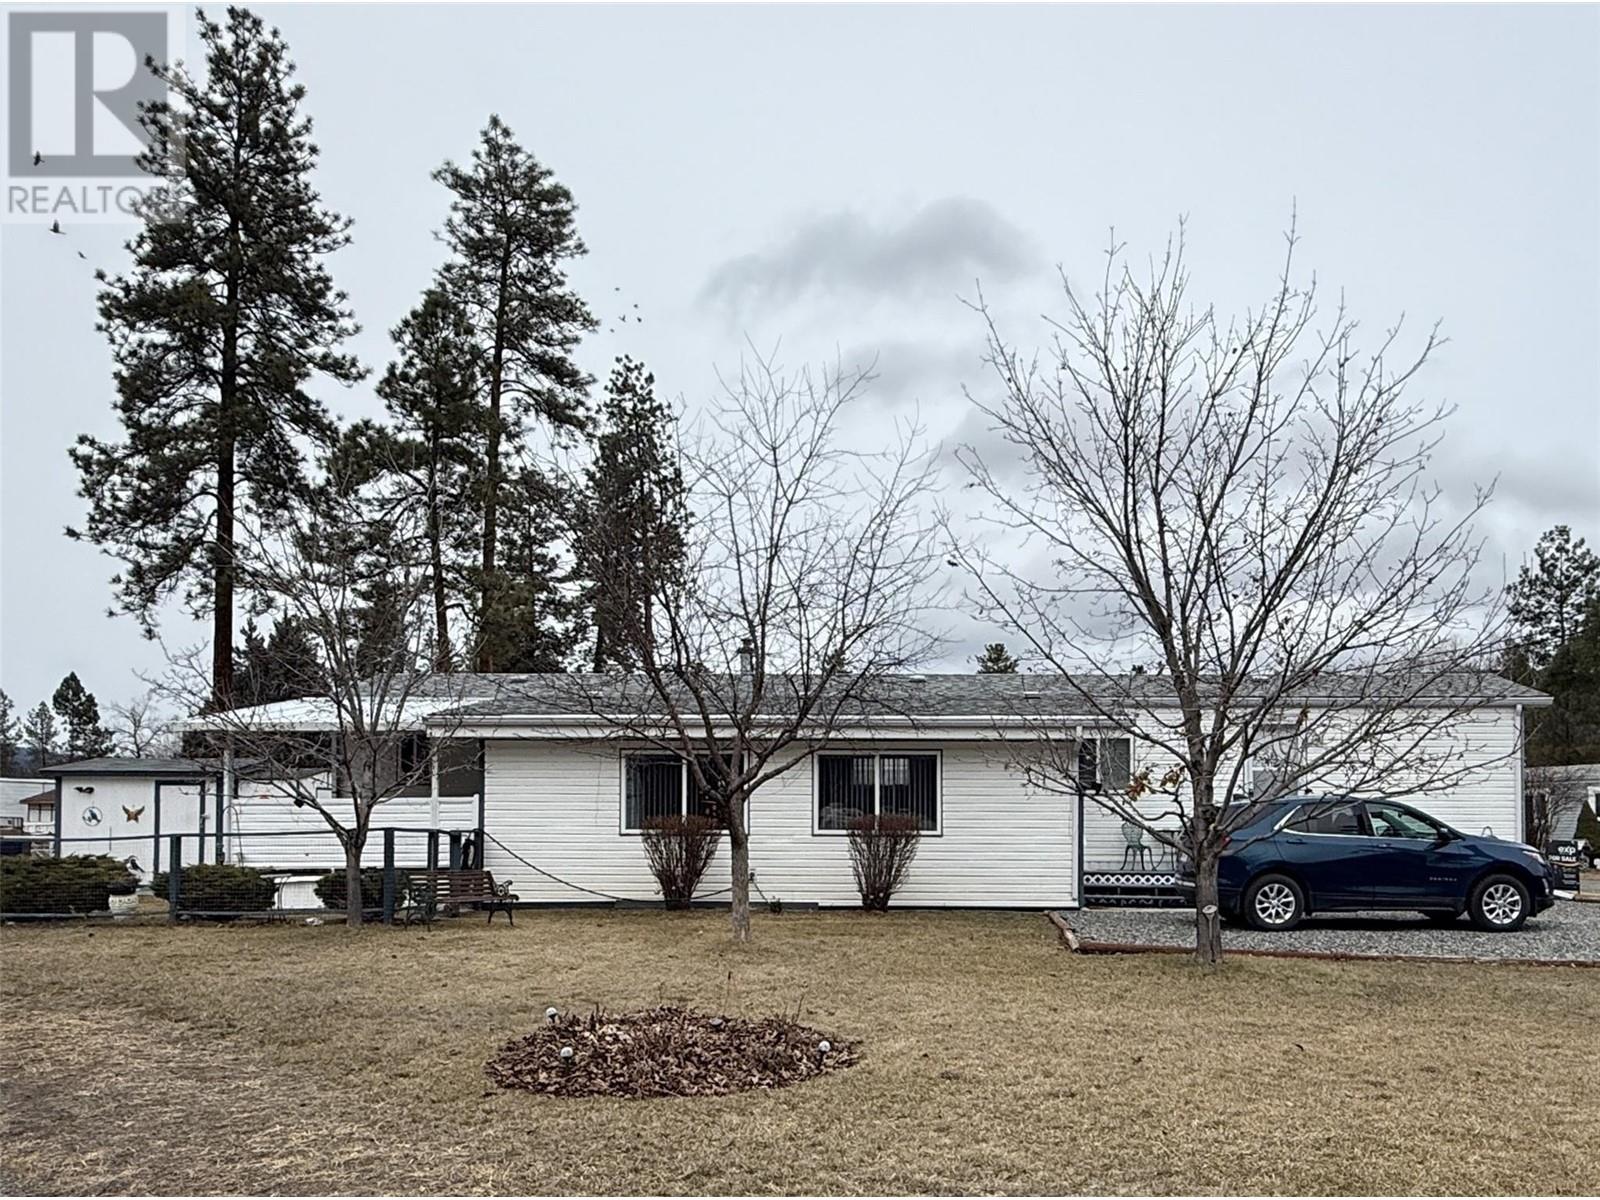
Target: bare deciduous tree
(359, 586)
(142, 731)
(1244, 567)
(802, 591)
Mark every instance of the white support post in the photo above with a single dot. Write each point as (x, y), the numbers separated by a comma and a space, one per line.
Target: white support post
(1522, 793)
(224, 800)
(433, 787)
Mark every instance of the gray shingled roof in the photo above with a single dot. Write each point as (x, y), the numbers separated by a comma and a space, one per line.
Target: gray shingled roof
(932, 695)
(149, 768)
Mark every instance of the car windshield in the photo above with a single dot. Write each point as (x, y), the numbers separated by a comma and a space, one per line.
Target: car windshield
(1391, 820)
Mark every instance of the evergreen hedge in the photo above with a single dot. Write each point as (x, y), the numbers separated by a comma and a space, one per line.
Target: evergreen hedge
(74, 883)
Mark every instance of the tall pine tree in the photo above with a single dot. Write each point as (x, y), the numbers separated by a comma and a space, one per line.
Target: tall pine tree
(1548, 600)
(79, 714)
(997, 660)
(226, 314)
(433, 446)
(10, 734)
(1556, 605)
(511, 231)
(631, 517)
(282, 666)
(539, 609)
(39, 734)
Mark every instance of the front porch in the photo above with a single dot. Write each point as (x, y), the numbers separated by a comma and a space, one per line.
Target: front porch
(1124, 864)
(1153, 889)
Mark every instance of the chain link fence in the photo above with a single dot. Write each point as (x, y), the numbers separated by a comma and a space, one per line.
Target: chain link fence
(270, 875)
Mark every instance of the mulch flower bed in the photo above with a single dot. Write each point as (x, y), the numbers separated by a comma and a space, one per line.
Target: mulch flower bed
(665, 1051)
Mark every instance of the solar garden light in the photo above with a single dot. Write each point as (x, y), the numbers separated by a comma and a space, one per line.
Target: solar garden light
(551, 1013)
(824, 1046)
(566, 1056)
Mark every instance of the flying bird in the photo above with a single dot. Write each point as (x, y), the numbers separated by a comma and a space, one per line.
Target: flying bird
(83, 256)
(55, 226)
(37, 158)
(133, 814)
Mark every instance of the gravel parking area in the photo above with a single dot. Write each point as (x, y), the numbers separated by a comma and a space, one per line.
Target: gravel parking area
(1569, 930)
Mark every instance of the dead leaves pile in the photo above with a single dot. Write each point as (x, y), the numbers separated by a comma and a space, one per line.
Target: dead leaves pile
(665, 1051)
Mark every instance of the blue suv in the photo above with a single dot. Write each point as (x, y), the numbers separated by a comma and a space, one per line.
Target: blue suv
(1319, 854)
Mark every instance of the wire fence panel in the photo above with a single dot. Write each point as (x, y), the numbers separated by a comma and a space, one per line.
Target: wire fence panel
(274, 873)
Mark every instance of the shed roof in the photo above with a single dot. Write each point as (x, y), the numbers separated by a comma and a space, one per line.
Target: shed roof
(143, 768)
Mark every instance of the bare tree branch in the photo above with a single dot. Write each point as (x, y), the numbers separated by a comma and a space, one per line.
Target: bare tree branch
(1245, 560)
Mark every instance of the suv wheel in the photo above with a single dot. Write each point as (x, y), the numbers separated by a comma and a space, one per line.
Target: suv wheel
(1499, 904)
(1274, 902)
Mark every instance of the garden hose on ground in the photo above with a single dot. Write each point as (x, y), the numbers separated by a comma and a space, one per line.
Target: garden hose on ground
(578, 887)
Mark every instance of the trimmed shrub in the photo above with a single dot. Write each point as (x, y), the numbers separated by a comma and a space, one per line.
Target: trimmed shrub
(679, 849)
(331, 891)
(219, 888)
(75, 883)
(881, 852)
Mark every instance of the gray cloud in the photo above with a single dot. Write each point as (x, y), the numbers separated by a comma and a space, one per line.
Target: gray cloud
(943, 246)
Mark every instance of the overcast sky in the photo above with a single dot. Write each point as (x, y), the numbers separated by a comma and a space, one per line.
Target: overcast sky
(836, 180)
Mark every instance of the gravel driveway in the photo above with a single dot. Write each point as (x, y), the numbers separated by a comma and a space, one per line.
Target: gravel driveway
(1569, 930)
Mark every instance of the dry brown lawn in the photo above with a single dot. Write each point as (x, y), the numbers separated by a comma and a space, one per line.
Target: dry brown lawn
(309, 1060)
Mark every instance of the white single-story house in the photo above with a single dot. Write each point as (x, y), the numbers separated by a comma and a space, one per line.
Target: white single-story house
(25, 805)
(1564, 792)
(556, 799)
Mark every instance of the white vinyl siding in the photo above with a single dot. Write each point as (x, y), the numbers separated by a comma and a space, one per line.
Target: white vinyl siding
(1488, 797)
(113, 797)
(1003, 845)
(264, 828)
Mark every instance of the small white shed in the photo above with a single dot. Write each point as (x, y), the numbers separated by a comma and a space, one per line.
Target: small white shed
(126, 807)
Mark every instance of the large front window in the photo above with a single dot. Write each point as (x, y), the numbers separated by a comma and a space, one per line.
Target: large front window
(851, 786)
(660, 785)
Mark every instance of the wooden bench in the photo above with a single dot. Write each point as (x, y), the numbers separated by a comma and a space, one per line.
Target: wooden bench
(454, 889)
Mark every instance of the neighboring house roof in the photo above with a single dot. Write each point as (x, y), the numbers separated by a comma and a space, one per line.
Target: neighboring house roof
(144, 768)
(18, 797)
(13, 790)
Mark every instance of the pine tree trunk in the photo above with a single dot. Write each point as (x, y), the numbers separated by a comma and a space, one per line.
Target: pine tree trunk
(491, 476)
(441, 616)
(739, 845)
(224, 566)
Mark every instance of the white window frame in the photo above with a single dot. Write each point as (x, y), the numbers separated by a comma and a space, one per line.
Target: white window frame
(683, 789)
(877, 754)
